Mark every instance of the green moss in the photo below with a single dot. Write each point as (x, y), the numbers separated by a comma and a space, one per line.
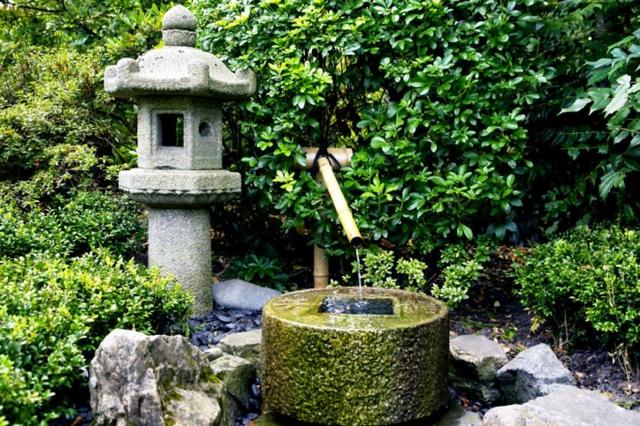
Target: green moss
(214, 379)
(354, 369)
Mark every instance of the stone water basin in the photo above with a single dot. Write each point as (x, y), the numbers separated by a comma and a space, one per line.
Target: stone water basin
(354, 367)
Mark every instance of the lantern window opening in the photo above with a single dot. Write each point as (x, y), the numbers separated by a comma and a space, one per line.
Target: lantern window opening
(171, 129)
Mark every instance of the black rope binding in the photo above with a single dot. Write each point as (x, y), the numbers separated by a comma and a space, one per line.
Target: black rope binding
(323, 151)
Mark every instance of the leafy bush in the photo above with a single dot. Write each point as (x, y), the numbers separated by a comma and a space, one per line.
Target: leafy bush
(571, 153)
(55, 97)
(52, 59)
(54, 314)
(613, 90)
(430, 93)
(71, 226)
(585, 281)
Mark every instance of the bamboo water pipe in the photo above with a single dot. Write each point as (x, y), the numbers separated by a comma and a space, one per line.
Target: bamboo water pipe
(326, 167)
(339, 202)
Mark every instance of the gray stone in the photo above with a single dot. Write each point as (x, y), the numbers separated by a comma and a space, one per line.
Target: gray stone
(247, 345)
(179, 245)
(566, 406)
(201, 133)
(532, 373)
(213, 353)
(153, 380)
(178, 27)
(239, 294)
(237, 374)
(475, 361)
(177, 188)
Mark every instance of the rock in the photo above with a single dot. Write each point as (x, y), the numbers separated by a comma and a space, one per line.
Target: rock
(153, 380)
(475, 361)
(213, 353)
(567, 406)
(237, 374)
(246, 344)
(239, 294)
(532, 373)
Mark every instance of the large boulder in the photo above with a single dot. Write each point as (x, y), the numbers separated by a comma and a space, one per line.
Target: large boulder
(475, 360)
(532, 373)
(567, 406)
(239, 294)
(153, 380)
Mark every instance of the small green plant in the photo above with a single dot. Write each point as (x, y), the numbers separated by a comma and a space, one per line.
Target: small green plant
(456, 280)
(380, 268)
(585, 282)
(53, 315)
(461, 266)
(377, 268)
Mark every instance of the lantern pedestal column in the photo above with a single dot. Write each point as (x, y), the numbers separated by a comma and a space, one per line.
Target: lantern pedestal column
(179, 244)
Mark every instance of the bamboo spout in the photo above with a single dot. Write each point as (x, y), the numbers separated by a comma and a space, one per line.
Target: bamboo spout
(339, 202)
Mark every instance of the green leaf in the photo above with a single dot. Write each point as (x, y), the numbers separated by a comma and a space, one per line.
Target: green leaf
(609, 180)
(463, 229)
(577, 105)
(620, 97)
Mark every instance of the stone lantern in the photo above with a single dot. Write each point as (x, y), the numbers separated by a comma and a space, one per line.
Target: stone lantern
(179, 90)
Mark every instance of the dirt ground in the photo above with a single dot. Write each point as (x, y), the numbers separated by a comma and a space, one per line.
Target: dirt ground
(494, 311)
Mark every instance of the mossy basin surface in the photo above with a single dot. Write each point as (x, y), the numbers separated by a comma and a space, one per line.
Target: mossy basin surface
(354, 369)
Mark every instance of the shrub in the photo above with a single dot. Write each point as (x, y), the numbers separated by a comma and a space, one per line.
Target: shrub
(460, 266)
(54, 98)
(71, 226)
(431, 95)
(613, 91)
(572, 153)
(54, 314)
(587, 280)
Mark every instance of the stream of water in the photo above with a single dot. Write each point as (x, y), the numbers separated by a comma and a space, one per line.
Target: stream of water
(359, 275)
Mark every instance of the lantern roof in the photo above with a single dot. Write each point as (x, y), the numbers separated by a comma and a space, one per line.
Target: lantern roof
(178, 68)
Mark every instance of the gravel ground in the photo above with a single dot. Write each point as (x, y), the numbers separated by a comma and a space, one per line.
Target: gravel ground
(209, 330)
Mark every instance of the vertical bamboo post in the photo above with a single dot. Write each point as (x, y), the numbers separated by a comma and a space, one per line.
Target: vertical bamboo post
(320, 267)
